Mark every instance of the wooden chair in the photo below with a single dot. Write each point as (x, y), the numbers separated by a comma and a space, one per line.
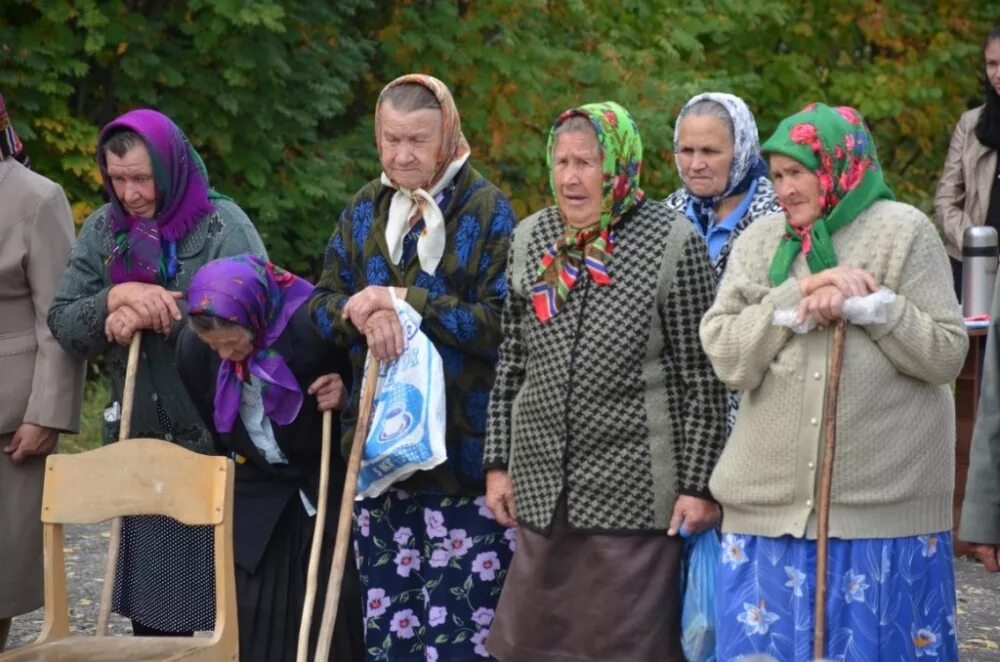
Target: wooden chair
(135, 477)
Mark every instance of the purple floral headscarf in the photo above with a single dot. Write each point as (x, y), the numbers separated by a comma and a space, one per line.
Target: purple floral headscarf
(261, 298)
(182, 200)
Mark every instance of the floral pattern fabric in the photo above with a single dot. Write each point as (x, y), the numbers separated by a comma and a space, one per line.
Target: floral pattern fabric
(887, 599)
(590, 248)
(835, 144)
(431, 569)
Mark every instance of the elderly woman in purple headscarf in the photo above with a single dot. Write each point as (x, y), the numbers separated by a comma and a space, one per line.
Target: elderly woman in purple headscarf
(260, 374)
(134, 257)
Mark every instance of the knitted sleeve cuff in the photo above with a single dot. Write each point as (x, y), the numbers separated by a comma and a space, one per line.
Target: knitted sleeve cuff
(786, 295)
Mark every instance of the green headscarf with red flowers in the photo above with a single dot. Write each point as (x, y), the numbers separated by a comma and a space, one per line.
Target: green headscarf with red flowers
(591, 247)
(836, 145)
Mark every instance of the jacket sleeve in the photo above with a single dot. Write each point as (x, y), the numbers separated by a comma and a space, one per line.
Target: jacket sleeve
(949, 199)
(703, 409)
(472, 325)
(980, 521)
(511, 363)
(737, 332)
(336, 284)
(57, 383)
(924, 336)
(80, 306)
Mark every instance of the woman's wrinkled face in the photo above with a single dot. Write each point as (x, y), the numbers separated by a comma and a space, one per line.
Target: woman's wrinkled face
(131, 178)
(992, 54)
(409, 145)
(797, 189)
(579, 179)
(231, 344)
(705, 154)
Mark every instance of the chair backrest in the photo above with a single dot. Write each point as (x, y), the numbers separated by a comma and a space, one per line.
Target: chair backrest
(138, 477)
(135, 477)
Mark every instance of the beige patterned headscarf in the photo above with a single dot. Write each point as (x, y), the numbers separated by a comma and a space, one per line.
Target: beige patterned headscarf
(410, 205)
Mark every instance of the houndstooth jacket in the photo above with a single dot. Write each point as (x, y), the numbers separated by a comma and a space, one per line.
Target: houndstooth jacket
(613, 401)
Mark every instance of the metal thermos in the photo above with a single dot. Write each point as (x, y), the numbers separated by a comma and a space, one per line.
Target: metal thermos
(979, 269)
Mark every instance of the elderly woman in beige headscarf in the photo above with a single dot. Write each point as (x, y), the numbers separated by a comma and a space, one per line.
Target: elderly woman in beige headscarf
(433, 232)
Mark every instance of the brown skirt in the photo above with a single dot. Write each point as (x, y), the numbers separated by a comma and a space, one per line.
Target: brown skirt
(20, 533)
(579, 596)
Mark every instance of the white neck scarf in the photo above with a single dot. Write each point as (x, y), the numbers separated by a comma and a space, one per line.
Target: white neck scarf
(408, 204)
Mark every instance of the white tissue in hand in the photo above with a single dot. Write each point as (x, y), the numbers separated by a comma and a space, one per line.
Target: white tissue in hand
(869, 309)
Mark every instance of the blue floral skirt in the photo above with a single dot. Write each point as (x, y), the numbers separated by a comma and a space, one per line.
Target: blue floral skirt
(431, 569)
(887, 599)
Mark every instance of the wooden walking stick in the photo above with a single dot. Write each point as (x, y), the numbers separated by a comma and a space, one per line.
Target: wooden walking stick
(124, 424)
(347, 510)
(826, 480)
(317, 544)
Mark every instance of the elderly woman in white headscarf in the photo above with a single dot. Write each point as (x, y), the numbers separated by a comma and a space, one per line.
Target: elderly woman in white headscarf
(717, 150)
(726, 188)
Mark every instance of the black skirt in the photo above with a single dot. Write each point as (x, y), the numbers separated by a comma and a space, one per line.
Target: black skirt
(270, 599)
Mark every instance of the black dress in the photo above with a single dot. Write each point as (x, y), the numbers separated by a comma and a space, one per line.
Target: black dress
(272, 532)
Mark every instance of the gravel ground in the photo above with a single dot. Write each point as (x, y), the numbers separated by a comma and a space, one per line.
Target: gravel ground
(86, 549)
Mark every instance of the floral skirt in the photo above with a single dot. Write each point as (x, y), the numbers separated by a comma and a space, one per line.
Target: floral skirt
(431, 569)
(887, 599)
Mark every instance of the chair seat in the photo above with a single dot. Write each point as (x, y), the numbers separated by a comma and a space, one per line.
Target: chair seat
(114, 649)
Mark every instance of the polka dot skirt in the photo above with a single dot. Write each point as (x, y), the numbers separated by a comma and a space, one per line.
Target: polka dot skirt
(165, 577)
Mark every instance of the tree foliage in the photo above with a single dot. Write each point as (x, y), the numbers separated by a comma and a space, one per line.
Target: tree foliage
(278, 95)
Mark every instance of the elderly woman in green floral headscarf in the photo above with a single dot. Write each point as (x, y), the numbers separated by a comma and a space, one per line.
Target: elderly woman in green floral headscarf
(606, 419)
(842, 238)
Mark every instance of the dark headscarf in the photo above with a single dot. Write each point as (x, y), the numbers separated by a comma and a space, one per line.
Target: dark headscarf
(10, 144)
(988, 126)
(145, 251)
(261, 298)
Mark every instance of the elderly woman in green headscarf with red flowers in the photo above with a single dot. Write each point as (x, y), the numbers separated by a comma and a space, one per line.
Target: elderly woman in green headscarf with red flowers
(606, 419)
(842, 238)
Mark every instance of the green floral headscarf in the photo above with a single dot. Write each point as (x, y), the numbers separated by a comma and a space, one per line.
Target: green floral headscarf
(836, 145)
(590, 248)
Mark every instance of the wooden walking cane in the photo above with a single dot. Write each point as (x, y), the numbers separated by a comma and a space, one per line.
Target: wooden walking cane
(128, 398)
(826, 480)
(317, 544)
(347, 510)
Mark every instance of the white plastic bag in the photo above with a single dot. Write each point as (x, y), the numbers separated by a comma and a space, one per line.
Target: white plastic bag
(869, 309)
(407, 431)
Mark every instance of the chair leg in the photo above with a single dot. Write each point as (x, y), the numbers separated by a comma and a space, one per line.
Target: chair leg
(4, 630)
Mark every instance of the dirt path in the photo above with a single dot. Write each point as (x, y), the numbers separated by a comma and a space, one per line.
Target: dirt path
(86, 548)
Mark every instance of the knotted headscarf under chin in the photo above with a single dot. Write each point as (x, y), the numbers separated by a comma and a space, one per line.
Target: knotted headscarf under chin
(835, 144)
(410, 205)
(145, 249)
(591, 248)
(261, 298)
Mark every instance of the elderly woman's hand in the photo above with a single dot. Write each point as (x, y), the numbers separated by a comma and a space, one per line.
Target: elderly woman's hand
(329, 391)
(693, 514)
(155, 305)
(824, 305)
(500, 497)
(384, 335)
(373, 298)
(120, 325)
(851, 281)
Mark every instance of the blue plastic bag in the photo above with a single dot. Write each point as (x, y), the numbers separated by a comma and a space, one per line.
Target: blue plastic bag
(701, 560)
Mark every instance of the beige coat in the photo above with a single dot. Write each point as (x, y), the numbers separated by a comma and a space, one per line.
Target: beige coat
(963, 192)
(39, 382)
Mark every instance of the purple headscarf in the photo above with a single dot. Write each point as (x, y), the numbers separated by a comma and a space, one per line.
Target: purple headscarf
(10, 144)
(182, 199)
(261, 298)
